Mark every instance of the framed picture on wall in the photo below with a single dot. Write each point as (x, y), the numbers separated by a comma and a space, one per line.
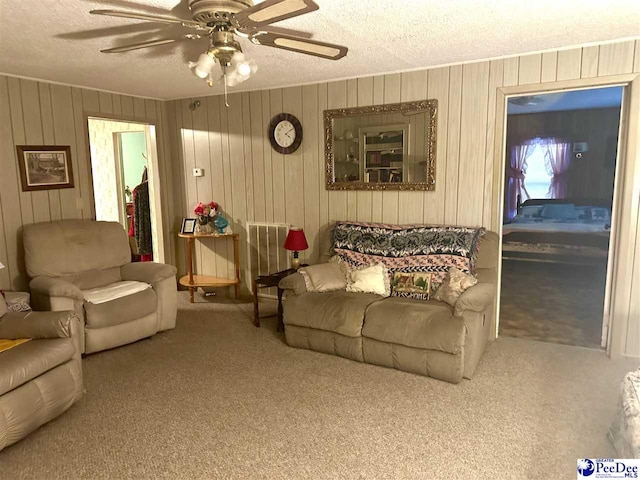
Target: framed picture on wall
(45, 167)
(188, 225)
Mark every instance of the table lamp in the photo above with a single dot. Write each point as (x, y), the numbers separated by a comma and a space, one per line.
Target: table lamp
(295, 242)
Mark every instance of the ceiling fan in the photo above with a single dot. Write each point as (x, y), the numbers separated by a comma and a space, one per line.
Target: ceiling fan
(220, 21)
(527, 100)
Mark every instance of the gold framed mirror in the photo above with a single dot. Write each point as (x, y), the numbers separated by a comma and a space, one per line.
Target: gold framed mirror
(381, 147)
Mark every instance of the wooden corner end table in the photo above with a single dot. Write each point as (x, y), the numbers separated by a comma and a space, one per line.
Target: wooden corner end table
(270, 280)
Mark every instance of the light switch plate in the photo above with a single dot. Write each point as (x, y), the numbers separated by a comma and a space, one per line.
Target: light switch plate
(198, 172)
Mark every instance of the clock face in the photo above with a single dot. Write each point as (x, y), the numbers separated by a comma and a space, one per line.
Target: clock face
(285, 134)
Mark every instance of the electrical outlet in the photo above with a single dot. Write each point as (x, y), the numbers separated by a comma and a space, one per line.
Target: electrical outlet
(198, 172)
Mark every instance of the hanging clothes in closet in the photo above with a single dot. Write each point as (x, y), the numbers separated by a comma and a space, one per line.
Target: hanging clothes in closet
(142, 219)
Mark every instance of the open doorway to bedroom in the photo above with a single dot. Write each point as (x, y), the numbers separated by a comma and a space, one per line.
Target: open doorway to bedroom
(560, 172)
(125, 182)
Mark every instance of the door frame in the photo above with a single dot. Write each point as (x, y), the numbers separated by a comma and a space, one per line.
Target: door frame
(153, 171)
(624, 224)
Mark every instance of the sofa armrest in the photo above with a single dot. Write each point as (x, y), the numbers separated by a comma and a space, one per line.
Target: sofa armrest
(487, 275)
(55, 287)
(37, 325)
(476, 298)
(293, 284)
(147, 272)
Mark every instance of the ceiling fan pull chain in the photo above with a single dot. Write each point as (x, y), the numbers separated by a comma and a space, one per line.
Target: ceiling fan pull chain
(226, 101)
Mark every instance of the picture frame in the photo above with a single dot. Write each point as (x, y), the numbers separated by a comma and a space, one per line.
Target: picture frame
(188, 226)
(45, 167)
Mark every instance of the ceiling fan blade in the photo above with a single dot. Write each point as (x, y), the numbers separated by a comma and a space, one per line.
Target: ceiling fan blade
(271, 11)
(248, 32)
(300, 45)
(150, 43)
(180, 10)
(149, 18)
(128, 29)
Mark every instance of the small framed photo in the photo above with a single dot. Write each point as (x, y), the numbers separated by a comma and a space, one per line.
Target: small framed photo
(188, 225)
(45, 167)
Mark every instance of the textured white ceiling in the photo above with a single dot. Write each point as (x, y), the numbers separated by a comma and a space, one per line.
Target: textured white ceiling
(58, 40)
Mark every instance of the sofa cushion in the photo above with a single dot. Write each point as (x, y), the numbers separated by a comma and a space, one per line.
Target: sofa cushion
(29, 360)
(339, 311)
(415, 323)
(120, 310)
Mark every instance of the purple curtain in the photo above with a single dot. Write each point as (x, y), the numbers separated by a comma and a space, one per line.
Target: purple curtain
(515, 176)
(558, 158)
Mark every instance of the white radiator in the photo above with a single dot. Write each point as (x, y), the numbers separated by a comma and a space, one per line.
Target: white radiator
(265, 251)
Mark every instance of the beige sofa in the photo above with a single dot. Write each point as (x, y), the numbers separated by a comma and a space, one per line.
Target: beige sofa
(39, 379)
(423, 337)
(73, 262)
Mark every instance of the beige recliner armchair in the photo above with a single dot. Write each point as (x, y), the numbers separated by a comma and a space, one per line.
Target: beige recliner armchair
(85, 266)
(39, 379)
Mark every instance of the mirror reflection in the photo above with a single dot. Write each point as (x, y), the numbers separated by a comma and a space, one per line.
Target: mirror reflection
(384, 147)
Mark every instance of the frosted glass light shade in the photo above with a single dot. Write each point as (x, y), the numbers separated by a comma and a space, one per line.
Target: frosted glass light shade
(202, 68)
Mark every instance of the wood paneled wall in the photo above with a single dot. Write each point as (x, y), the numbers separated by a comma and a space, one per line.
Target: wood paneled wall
(40, 113)
(254, 183)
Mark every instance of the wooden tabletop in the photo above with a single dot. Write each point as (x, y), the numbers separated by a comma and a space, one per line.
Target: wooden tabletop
(206, 235)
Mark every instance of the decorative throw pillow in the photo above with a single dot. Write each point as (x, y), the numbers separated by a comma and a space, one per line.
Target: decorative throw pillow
(324, 277)
(344, 266)
(454, 284)
(19, 306)
(412, 285)
(601, 214)
(370, 279)
(559, 211)
(531, 211)
(17, 301)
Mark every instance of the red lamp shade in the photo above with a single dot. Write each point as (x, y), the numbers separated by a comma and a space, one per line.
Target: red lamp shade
(296, 240)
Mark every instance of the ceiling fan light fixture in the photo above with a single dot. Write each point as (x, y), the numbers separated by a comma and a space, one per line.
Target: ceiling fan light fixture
(203, 67)
(243, 67)
(221, 21)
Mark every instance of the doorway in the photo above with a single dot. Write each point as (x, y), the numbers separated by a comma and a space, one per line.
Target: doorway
(558, 202)
(125, 182)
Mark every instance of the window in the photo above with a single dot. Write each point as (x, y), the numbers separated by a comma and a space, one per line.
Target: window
(537, 179)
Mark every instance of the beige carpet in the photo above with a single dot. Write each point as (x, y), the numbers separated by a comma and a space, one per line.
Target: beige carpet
(219, 398)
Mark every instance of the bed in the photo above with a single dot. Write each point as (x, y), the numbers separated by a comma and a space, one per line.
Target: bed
(563, 231)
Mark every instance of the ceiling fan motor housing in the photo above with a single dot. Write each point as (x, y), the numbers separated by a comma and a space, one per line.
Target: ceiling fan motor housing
(223, 46)
(216, 11)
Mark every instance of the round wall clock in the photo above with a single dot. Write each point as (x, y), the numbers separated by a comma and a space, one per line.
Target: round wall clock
(285, 133)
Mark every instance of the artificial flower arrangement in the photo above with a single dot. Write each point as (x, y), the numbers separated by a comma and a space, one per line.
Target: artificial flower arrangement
(206, 209)
(204, 212)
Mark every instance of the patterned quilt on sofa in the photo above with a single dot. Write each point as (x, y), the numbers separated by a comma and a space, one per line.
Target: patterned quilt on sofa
(625, 431)
(408, 248)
